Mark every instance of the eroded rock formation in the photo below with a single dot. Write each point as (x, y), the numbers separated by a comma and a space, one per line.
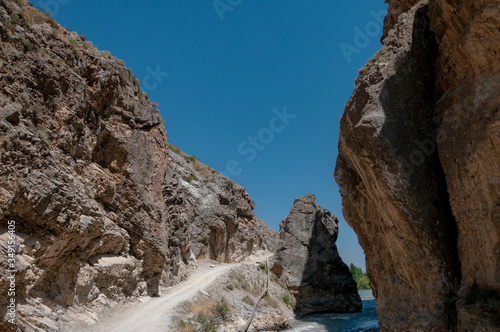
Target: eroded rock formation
(84, 173)
(308, 263)
(418, 164)
(210, 216)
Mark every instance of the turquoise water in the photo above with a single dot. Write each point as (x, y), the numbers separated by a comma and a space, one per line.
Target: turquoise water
(365, 320)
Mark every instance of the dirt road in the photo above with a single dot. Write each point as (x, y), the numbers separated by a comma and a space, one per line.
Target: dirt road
(155, 314)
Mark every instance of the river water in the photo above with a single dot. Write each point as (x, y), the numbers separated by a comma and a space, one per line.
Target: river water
(364, 320)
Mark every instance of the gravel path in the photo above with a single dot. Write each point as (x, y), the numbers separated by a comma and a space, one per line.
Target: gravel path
(155, 314)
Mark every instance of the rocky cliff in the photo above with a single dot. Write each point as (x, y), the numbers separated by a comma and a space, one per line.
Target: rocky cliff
(100, 215)
(308, 263)
(209, 215)
(418, 167)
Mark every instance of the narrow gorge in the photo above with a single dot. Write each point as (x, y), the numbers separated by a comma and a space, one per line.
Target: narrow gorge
(104, 224)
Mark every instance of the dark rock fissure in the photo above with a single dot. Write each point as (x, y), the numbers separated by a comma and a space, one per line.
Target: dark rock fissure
(424, 53)
(392, 183)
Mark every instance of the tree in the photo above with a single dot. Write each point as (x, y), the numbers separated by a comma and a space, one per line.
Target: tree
(360, 277)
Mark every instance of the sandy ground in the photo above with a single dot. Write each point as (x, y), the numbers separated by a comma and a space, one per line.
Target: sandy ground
(155, 314)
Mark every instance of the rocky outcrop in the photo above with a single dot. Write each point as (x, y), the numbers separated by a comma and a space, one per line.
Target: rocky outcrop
(271, 237)
(210, 216)
(308, 263)
(395, 10)
(84, 174)
(418, 166)
(82, 162)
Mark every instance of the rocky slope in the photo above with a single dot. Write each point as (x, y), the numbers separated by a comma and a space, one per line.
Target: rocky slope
(308, 263)
(228, 302)
(418, 167)
(209, 215)
(85, 175)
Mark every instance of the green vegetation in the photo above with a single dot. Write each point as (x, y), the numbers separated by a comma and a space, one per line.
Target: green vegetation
(360, 277)
(173, 148)
(222, 308)
(230, 286)
(278, 281)
(287, 300)
(206, 315)
(322, 213)
(191, 178)
(207, 324)
(484, 296)
(241, 283)
(11, 25)
(55, 33)
(271, 302)
(73, 44)
(182, 324)
(190, 159)
(27, 44)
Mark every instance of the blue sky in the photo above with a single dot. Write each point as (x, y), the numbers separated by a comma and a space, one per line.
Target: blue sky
(222, 70)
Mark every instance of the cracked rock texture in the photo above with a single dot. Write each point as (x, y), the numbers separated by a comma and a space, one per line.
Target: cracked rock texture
(308, 263)
(210, 216)
(419, 151)
(84, 173)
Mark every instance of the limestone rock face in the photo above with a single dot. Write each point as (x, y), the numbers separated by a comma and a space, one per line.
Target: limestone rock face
(418, 164)
(395, 9)
(468, 117)
(308, 263)
(271, 237)
(84, 174)
(210, 216)
(83, 156)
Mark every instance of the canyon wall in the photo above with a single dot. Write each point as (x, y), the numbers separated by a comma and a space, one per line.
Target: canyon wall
(210, 216)
(418, 166)
(85, 175)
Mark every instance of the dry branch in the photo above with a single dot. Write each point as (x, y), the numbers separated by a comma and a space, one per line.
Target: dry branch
(245, 329)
